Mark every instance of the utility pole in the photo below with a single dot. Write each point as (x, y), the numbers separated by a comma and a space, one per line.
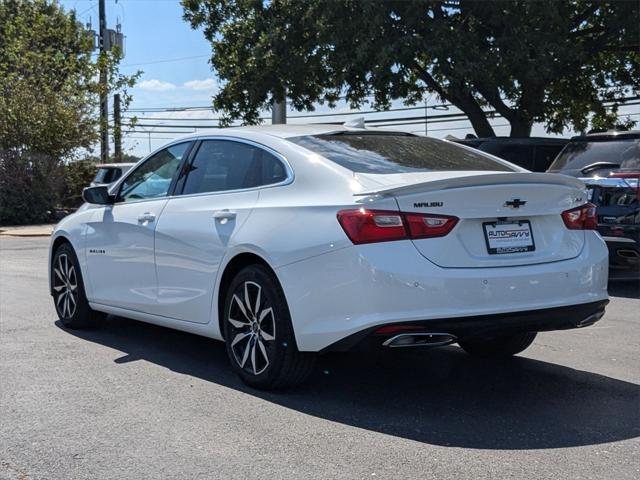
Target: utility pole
(117, 128)
(104, 98)
(278, 112)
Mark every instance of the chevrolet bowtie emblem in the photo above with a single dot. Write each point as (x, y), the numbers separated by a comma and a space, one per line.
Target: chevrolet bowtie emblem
(515, 203)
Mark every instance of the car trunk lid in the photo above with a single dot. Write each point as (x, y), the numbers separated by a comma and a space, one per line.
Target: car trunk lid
(525, 207)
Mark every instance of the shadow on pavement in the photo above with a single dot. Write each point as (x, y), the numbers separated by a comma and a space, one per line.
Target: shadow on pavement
(440, 396)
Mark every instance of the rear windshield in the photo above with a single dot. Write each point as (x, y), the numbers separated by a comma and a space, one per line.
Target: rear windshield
(379, 153)
(580, 154)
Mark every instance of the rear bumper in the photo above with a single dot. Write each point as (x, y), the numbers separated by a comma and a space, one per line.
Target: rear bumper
(548, 319)
(338, 294)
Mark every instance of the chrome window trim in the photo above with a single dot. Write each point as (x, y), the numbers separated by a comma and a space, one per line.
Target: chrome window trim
(287, 166)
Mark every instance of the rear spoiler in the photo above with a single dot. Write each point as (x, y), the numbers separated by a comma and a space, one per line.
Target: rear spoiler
(473, 180)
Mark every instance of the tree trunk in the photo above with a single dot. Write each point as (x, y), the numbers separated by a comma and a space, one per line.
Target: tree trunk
(520, 128)
(479, 122)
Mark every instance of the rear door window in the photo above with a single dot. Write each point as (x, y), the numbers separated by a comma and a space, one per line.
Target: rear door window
(224, 165)
(385, 154)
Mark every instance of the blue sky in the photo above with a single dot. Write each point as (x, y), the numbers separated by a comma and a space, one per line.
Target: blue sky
(176, 73)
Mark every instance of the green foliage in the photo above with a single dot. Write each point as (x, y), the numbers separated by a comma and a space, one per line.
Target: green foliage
(49, 95)
(531, 61)
(77, 175)
(29, 187)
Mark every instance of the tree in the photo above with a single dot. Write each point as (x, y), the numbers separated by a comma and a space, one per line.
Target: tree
(529, 61)
(49, 93)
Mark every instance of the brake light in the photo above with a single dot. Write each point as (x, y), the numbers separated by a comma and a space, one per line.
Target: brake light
(429, 226)
(581, 218)
(370, 226)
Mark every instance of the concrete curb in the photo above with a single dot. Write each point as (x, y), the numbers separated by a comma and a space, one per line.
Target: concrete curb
(27, 231)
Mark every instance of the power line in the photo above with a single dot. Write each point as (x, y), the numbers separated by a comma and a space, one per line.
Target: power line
(168, 60)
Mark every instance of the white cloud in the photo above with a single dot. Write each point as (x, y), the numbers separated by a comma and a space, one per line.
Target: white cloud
(155, 85)
(206, 84)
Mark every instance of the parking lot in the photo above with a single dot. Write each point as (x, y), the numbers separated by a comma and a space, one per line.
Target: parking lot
(132, 400)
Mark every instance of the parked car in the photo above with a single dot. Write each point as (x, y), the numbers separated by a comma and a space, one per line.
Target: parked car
(618, 207)
(110, 172)
(533, 153)
(290, 241)
(598, 154)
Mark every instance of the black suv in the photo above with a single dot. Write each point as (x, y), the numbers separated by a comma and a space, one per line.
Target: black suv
(609, 164)
(532, 153)
(598, 154)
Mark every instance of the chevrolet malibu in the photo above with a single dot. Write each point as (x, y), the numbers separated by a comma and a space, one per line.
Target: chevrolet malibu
(287, 242)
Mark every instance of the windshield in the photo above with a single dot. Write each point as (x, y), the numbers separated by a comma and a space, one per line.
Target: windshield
(580, 154)
(384, 154)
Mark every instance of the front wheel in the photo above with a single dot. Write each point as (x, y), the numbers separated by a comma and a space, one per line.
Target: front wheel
(67, 287)
(499, 346)
(258, 332)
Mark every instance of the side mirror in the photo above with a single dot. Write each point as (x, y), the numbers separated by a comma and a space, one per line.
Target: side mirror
(97, 195)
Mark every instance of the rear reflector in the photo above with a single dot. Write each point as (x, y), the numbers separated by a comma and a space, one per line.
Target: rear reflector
(370, 226)
(581, 218)
(391, 329)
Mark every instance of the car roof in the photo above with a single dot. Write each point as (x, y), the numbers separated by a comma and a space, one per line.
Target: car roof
(295, 130)
(609, 135)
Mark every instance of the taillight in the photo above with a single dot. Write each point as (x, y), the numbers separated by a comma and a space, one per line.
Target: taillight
(369, 226)
(429, 226)
(581, 218)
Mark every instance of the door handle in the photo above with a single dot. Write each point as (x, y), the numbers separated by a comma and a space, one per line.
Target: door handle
(223, 216)
(146, 217)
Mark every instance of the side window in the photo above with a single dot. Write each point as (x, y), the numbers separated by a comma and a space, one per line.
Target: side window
(153, 178)
(222, 165)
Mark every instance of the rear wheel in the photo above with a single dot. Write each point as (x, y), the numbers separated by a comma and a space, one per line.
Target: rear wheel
(499, 346)
(258, 332)
(69, 296)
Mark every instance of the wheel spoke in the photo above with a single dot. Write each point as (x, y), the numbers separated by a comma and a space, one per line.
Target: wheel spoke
(66, 267)
(257, 304)
(239, 337)
(253, 357)
(65, 308)
(264, 313)
(247, 349)
(264, 353)
(58, 288)
(238, 323)
(72, 278)
(247, 300)
(59, 273)
(241, 306)
(267, 336)
(60, 298)
(73, 300)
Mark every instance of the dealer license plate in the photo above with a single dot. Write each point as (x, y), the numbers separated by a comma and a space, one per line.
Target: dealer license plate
(508, 237)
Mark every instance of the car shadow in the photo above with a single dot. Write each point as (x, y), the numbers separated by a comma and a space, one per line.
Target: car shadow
(439, 396)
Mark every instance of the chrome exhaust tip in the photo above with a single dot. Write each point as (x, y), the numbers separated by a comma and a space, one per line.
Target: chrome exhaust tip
(420, 340)
(590, 320)
(626, 253)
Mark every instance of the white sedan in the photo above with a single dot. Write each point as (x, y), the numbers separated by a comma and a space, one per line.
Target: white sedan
(289, 241)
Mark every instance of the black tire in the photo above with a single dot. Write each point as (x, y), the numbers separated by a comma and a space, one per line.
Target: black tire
(69, 296)
(260, 342)
(499, 346)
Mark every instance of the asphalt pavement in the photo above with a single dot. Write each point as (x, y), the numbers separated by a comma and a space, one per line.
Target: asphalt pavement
(132, 400)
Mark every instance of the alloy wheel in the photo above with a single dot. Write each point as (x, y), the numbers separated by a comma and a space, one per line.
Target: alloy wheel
(253, 328)
(65, 286)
